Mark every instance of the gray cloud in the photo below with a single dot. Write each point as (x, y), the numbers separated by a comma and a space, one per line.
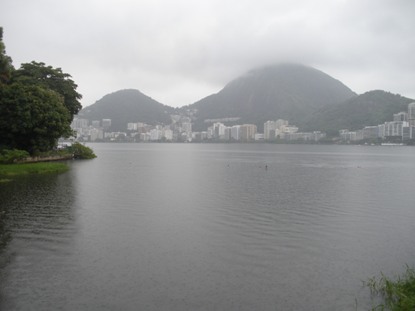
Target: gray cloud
(180, 51)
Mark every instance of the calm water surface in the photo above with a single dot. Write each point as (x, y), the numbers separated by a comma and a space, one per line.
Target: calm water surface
(208, 227)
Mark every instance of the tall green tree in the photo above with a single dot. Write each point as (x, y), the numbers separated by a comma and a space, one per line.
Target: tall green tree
(37, 104)
(6, 66)
(36, 73)
(32, 117)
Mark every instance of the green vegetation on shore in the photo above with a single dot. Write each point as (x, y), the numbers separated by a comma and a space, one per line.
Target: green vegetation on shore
(12, 170)
(80, 151)
(395, 295)
(12, 162)
(37, 106)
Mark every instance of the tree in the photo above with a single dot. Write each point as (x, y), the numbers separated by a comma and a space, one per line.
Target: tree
(32, 117)
(35, 73)
(6, 66)
(37, 104)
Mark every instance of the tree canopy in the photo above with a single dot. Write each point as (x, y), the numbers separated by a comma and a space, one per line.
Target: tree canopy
(37, 104)
(6, 66)
(35, 73)
(32, 118)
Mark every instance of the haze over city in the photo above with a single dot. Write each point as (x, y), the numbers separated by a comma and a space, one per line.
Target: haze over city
(179, 52)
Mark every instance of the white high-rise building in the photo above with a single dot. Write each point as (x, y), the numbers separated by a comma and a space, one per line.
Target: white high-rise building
(269, 130)
(280, 123)
(218, 130)
(168, 134)
(401, 116)
(236, 132)
(248, 132)
(411, 119)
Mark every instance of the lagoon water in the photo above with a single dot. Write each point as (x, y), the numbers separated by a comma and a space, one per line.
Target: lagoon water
(209, 227)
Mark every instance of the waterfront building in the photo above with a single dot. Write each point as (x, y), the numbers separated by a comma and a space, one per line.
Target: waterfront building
(78, 123)
(187, 128)
(155, 134)
(218, 130)
(382, 130)
(259, 137)
(287, 131)
(96, 134)
(132, 126)
(248, 132)
(370, 132)
(406, 133)
(411, 119)
(359, 135)
(236, 132)
(280, 123)
(228, 133)
(168, 134)
(401, 116)
(347, 135)
(395, 128)
(318, 135)
(269, 130)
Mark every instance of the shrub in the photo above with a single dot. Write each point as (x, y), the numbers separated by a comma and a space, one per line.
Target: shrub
(81, 152)
(397, 295)
(10, 156)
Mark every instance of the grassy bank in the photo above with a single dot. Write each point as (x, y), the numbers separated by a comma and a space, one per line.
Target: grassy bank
(8, 171)
(397, 294)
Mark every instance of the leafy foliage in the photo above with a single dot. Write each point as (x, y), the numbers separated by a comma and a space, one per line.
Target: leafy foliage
(6, 66)
(397, 295)
(32, 118)
(37, 105)
(35, 73)
(81, 152)
(9, 156)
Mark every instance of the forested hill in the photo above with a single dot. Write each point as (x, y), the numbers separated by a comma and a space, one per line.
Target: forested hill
(371, 108)
(127, 106)
(287, 91)
(304, 96)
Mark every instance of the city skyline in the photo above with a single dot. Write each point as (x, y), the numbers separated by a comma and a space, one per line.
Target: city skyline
(403, 126)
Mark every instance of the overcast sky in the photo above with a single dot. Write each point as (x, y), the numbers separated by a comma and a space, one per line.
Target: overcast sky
(179, 51)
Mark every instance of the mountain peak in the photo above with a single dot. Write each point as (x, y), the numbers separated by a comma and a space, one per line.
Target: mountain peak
(127, 106)
(281, 91)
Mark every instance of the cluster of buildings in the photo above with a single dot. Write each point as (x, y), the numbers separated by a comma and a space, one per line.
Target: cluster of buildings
(180, 130)
(401, 129)
(280, 129)
(99, 130)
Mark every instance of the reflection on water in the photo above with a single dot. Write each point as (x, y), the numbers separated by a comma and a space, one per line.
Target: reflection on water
(209, 227)
(38, 226)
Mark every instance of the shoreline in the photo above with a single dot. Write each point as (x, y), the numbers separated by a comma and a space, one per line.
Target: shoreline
(10, 171)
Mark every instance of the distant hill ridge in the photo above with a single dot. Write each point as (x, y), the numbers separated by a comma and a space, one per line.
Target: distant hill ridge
(286, 91)
(305, 96)
(126, 106)
(370, 108)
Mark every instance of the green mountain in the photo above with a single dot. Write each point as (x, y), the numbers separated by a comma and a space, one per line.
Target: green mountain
(371, 108)
(127, 106)
(304, 96)
(287, 91)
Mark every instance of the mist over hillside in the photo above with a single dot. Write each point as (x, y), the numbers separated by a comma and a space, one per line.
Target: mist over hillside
(285, 91)
(303, 95)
